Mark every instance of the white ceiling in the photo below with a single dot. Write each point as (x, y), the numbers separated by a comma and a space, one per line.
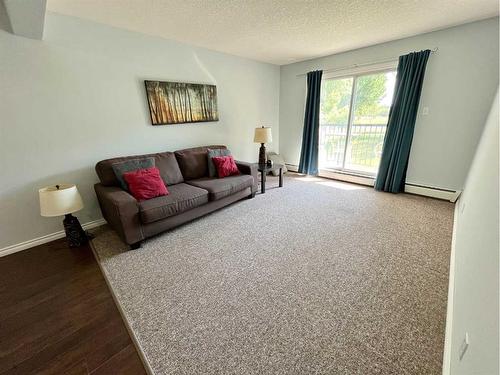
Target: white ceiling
(279, 31)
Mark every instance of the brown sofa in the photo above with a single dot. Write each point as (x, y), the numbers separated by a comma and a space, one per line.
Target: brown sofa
(192, 193)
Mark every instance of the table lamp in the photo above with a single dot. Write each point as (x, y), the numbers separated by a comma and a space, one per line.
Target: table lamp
(262, 135)
(64, 199)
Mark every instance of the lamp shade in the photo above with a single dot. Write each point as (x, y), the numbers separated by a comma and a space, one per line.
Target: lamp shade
(59, 200)
(262, 135)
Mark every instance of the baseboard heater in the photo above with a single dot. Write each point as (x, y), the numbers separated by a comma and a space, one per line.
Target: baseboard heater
(427, 191)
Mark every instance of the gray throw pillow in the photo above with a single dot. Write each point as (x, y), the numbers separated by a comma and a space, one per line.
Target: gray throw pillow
(212, 171)
(128, 166)
(277, 159)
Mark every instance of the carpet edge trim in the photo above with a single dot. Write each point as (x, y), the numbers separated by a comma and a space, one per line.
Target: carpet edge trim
(126, 322)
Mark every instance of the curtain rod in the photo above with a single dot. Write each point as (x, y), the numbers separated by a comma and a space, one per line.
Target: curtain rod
(435, 49)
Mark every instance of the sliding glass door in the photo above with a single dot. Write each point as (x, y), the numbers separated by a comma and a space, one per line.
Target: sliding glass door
(354, 113)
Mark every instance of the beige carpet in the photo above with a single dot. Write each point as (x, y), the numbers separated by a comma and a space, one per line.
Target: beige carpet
(317, 277)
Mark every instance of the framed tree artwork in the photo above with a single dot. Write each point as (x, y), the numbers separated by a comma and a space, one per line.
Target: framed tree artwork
(178, 103)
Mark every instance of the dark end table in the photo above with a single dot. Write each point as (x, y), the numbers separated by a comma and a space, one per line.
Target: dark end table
(263, 169)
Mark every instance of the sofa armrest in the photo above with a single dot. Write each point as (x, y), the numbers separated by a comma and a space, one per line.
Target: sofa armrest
(121, 211)
(250, 169)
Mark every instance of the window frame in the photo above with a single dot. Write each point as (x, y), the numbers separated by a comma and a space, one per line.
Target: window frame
(354, 73)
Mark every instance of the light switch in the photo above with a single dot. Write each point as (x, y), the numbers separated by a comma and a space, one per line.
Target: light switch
(425, 111)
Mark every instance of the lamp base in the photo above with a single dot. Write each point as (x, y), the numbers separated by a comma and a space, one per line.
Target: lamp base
(262, 154)
(75, 235)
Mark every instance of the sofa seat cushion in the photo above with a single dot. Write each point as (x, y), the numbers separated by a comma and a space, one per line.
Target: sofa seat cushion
(182, 197)
(219, 188)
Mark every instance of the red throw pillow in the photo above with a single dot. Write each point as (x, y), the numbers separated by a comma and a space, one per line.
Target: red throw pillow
(225, 166)
(145, 183)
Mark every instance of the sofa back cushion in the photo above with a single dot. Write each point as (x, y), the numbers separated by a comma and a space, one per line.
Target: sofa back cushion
(164, 161)
(169, 168)
(193, 162)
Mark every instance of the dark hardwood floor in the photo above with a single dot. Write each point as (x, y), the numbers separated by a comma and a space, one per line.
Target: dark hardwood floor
(57, 315)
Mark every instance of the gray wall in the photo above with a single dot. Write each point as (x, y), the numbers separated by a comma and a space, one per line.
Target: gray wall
(461, 79)
(78, 97)
(474, 300)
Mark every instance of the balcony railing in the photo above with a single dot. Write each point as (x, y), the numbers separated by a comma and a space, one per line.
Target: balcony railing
(363, 151)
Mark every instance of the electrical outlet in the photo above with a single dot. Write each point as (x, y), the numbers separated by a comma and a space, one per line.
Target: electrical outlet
(464, 346)
(425, 111)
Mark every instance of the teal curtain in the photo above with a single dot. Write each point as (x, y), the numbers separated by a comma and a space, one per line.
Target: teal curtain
(399, 135)
(310, 137)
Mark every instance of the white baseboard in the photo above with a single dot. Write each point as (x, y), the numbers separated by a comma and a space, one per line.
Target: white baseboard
(447, 195)
(355, 179)
(427, 191)
(47, 238)
(451, 292)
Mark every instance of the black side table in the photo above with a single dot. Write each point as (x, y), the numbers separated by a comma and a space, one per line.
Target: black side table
(263, 169)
